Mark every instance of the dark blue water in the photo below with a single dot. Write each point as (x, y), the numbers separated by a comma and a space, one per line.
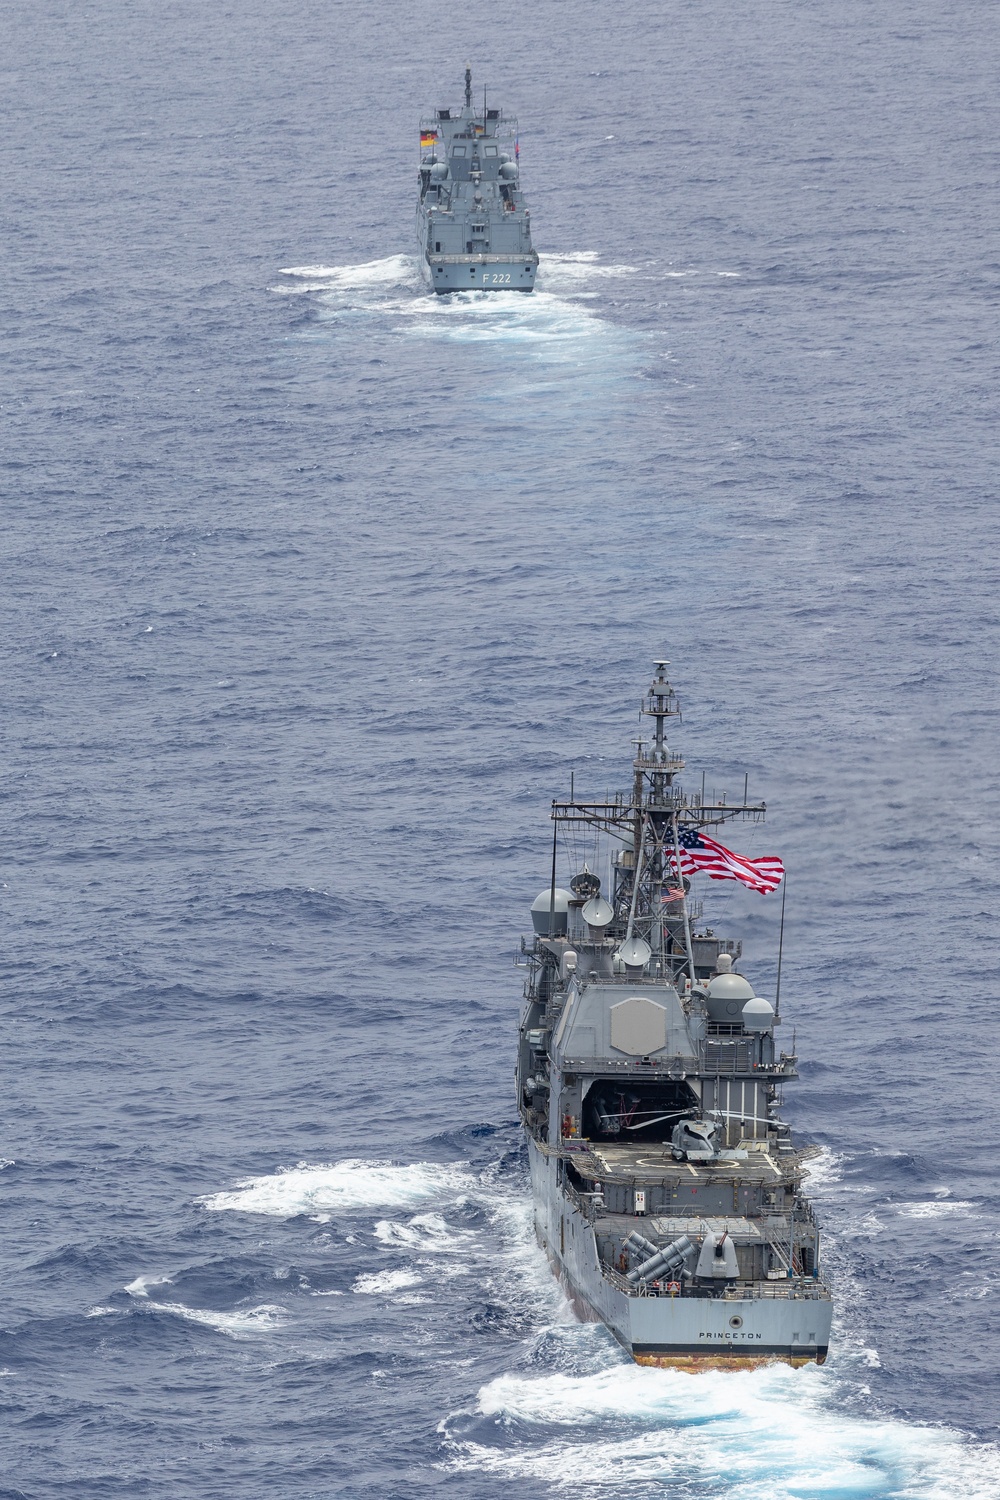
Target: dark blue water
(315, 592)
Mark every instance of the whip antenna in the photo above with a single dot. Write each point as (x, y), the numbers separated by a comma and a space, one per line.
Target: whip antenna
(781, 944)
(552, 892)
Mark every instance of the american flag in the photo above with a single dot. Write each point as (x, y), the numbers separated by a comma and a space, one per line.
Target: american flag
(699, 852)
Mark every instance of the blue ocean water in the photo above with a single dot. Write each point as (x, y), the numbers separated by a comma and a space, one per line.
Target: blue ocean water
(316, 590)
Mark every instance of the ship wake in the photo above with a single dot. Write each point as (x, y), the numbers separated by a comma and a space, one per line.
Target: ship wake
(771, 1434)
(440, 1258)
(393, 290)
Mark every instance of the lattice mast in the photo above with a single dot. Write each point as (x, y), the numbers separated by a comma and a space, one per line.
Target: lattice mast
(652, 913)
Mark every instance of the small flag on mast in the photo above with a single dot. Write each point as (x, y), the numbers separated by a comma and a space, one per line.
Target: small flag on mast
(699, 852)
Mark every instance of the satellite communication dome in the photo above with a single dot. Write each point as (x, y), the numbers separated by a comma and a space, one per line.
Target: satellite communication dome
(758, 1014)
(542, 905)
(727, 995)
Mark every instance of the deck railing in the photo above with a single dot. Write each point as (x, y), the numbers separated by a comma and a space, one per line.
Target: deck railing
(753, 1291)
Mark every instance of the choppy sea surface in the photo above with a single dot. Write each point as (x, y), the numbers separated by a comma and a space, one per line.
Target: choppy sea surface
(316, 590)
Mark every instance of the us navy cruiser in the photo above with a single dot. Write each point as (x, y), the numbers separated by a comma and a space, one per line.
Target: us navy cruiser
(473, 228)
(667, 1188)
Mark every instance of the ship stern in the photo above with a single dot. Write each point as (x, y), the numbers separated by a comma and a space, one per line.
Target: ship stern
(482, 273)
(738, 1333)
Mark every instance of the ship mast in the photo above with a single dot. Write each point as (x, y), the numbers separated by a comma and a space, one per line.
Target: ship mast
(658, 800)
(468, 85)
(652, 819)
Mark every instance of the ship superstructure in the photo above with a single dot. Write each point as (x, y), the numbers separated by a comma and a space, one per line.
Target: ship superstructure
(473, 228)
(668, 1190)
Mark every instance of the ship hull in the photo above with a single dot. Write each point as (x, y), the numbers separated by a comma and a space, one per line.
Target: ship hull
(732, 1332)
(482, 273)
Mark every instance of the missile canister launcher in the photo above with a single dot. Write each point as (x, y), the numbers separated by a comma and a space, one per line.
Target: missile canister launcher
(473, 228)
(667, 1189)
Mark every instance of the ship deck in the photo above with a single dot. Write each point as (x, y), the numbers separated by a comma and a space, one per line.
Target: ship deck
(670, 1226)
(611, 1163)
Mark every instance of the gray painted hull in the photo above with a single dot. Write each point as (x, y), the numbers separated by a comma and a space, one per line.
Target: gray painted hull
(671, 1331)
(482, 273)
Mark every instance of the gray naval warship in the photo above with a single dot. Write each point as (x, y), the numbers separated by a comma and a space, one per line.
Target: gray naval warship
(472, 226)
(667, 1189)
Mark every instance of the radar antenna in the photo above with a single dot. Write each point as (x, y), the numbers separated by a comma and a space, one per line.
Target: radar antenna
(649, 899)
(468, 85)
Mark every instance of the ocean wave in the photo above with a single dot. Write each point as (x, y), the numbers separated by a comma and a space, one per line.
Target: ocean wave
(578, 269)
(771, 1434)
(394, 290)
(429, 1233)
(240, 1323)
(325, 1189)
(389, 270)
(936, 1208)
(481, 317)
(140, 1286)
(375, 1283)
(824, 1171)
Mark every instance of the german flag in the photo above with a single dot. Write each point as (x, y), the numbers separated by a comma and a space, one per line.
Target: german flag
(427, 138)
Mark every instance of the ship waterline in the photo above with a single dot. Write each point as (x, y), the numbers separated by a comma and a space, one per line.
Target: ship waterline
(667, 1189)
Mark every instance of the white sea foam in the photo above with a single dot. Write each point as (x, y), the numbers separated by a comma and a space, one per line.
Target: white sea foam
(500, 1253)
(518, 1268)
(140, 1286)
(395, 270)
(973, 1289)
(866, 1224)
(376, 1283)
(577, 269)
(428, 1233)
(395, 290)
(239, 1324)
(543, 319)
(936, 1208)
(391, 270)
(825, 1171)
(771, 1434)
(326, 1189)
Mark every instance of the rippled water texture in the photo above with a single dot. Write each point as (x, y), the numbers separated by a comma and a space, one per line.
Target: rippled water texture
(317, 589)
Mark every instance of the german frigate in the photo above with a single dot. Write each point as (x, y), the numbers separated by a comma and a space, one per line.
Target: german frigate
(473, 228)
(667, 1189)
